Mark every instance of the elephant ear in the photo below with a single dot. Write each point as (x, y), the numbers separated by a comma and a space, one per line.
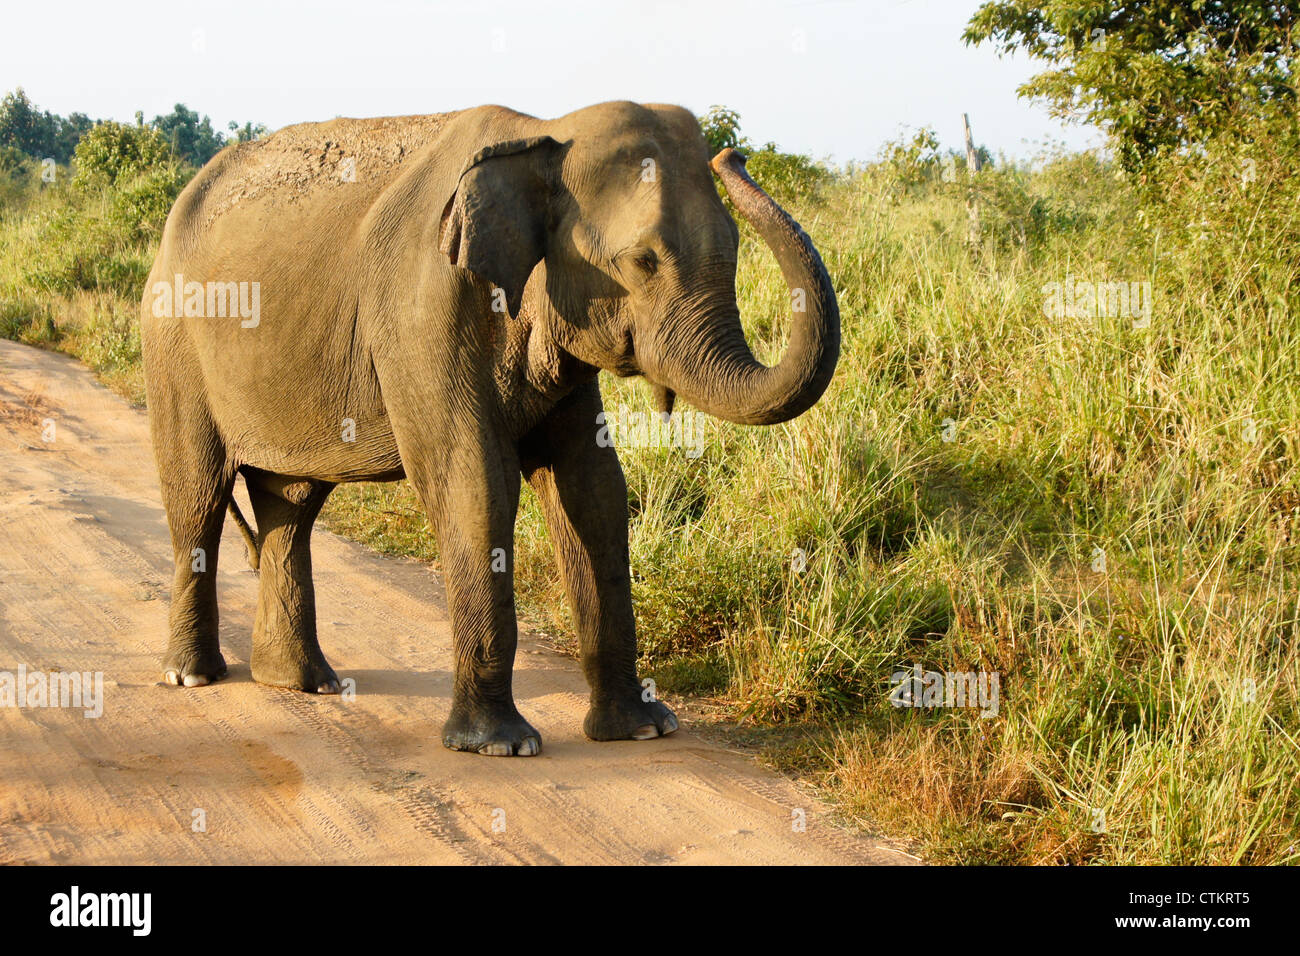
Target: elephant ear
(495, 223)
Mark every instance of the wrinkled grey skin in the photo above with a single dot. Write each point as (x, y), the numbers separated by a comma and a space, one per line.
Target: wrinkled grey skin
(377, 296)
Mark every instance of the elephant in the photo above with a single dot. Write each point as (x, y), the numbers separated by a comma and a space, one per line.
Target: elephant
(432, 298)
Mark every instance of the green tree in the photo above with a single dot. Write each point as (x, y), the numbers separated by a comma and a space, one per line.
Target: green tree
(114, 152)
(721, 127)
(39, 133)
(1158, 76)
(69, 133)
(912, 161)
(26, 128)
(190, 136)
(246, 133)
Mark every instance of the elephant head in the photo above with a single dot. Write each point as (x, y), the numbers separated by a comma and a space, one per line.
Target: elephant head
(638, 257)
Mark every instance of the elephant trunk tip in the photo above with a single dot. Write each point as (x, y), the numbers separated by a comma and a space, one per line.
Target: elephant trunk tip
(727, 158)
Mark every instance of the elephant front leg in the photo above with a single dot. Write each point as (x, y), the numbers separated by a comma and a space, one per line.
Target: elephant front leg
(472, 497)
(584, 497)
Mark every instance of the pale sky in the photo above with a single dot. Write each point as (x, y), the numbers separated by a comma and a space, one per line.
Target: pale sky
(831, 78)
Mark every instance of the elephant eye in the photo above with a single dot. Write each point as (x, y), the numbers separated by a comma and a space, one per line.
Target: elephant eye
(646, 261)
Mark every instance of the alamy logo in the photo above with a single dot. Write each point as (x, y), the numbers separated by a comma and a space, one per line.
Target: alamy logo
(102, 909)
(918, 688)
(56, 689)
(208, 300)
(629, 429)
(1083, 299)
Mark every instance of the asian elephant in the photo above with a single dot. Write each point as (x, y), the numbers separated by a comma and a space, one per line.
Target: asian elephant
(431, 297)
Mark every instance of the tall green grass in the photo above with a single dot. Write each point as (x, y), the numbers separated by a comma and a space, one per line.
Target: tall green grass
(1105, 516)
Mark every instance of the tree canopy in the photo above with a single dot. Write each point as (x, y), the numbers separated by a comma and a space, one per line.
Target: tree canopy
(191, 136)
(1160, 75)
(40, 134)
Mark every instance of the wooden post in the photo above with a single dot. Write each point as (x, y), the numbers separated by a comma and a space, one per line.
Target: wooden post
(972, 156)
(972, 167)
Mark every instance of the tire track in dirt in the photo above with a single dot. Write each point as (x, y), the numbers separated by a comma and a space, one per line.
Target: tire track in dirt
(282, 777)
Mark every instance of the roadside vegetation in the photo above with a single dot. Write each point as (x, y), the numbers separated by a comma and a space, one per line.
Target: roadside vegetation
(1100, 505)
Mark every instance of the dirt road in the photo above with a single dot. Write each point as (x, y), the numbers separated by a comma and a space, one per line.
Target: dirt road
(276, 776)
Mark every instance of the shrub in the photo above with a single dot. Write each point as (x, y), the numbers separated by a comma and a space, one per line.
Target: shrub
(113, 152)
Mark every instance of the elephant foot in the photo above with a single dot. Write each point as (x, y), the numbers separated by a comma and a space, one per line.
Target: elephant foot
(193, 668)
(311, 675)
(491, 732)
(629, 719)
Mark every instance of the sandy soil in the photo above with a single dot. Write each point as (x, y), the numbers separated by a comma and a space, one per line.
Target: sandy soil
(283, 777)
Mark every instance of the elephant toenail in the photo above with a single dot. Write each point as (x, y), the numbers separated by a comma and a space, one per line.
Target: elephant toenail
(195, 680)
(646, 732)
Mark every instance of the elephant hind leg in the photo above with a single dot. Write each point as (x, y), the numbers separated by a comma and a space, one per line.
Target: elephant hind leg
(285, 650)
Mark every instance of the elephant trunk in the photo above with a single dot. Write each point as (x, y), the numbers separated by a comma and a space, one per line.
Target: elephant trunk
(721, 376)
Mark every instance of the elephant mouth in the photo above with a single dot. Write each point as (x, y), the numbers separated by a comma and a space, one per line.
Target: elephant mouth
(625, 364)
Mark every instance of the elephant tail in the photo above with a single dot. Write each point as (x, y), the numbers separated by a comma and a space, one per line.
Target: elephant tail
(250, 537)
